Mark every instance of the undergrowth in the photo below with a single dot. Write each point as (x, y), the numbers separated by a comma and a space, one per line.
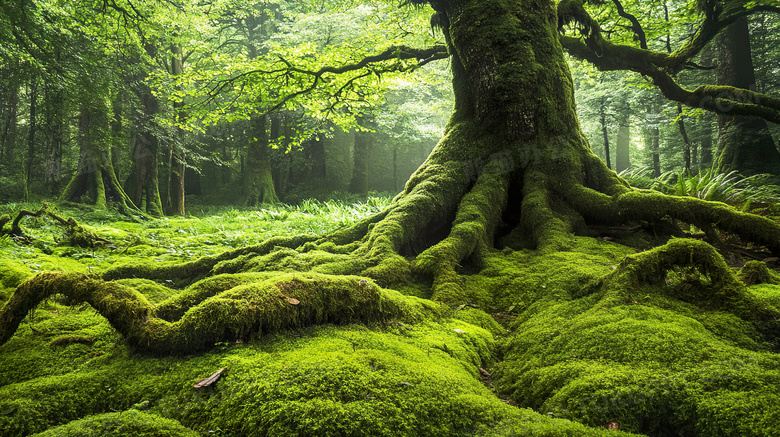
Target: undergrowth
(731, 188)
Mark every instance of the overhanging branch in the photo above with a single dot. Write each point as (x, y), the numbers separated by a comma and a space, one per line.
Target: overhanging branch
(395, 53)
(660, 67)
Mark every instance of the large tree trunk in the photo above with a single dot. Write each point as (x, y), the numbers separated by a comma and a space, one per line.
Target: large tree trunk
(744, 143)
(145, 156)
(95, 181)
(258, 181)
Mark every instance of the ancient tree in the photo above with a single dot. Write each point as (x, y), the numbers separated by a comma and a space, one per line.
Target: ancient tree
(512, 179)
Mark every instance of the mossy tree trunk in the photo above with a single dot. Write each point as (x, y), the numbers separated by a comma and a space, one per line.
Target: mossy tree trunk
(95, 181)
(258, 180)
(744, 143)
(145, 184)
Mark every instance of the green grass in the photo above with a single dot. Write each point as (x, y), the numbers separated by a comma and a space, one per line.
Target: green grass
(207, 231)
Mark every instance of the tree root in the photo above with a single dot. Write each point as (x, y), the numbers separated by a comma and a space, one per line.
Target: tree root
(711, 284)
(246, 309)
(76, 235)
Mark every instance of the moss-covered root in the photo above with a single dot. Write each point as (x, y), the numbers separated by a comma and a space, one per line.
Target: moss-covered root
(283, 301)
(471, 235)
(191, 271)
(651, 205)
(122, 306)
(757, 272)
(709, 282)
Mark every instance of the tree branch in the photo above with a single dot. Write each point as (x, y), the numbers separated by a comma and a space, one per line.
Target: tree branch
(636, 27)
(398, 53)
(660, 67)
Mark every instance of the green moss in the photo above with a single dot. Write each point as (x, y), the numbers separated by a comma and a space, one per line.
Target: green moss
(479, 318)
(756, 272)
(653, 346)
(12, 273)
(767, 293)
(131, 423)
(416, 379)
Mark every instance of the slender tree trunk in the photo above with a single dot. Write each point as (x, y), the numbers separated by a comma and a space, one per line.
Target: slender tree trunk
(32, 129)
(744, 143)
(686, 141)
(604, 131)
(622, 147)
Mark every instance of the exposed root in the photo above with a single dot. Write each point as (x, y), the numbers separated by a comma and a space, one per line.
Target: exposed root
(244, 309)
(471, 234)
(227, 262)
(710, 283)
(75, 234)
(650, 205)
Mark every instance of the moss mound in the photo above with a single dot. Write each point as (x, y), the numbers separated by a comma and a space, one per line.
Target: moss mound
(668, 344)
(420, 379)
(131, 423)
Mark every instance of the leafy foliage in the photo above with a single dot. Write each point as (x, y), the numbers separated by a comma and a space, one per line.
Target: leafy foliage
(729, 187)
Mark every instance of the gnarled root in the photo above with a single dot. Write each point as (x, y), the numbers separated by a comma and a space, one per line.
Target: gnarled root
(257, 307)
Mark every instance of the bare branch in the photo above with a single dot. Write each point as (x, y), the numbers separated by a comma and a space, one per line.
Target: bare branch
(636, 27)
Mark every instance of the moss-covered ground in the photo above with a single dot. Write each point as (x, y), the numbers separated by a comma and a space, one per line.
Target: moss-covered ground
(563, 343)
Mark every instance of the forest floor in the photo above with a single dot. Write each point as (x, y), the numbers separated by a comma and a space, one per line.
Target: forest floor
(67, 371)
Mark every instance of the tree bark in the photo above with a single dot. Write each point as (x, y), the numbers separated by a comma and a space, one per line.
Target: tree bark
(95, 180)
(622, 148)
(258, 181)
(744, 143)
